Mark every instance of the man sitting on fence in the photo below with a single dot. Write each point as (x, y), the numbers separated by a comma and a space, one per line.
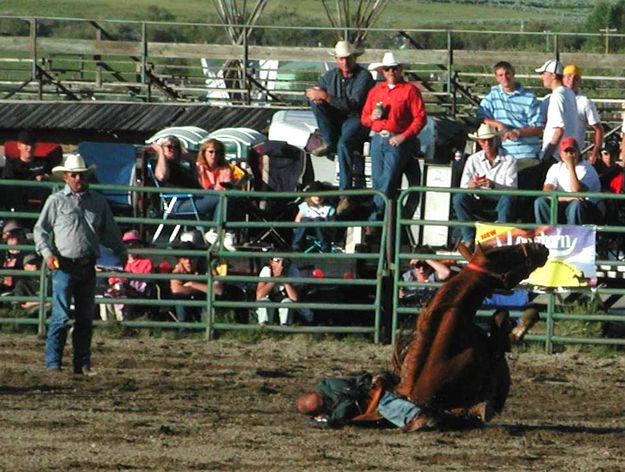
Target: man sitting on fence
(486, 169)
(336, 101)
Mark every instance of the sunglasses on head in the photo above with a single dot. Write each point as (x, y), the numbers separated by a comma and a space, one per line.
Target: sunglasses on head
(277, 259)
(387, 68)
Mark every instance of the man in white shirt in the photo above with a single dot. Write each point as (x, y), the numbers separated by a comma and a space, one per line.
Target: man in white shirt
(571, 174)
(486, 169)
(587, 114)
(561, 113)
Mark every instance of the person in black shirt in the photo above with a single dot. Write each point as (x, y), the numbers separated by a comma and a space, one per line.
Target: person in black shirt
(27, 167)
(336, 101)
(175, 168)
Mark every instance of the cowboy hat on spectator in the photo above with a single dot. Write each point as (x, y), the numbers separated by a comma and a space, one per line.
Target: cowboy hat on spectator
(73, 163)
(388, 60)
(345, 49)
(483, 132)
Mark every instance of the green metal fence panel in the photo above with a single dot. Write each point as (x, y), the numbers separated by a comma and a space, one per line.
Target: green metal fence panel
(552, 302)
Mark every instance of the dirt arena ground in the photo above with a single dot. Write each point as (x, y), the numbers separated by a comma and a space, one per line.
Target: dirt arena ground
(184, 404)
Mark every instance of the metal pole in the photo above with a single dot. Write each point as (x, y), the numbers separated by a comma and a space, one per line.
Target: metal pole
(248, 85)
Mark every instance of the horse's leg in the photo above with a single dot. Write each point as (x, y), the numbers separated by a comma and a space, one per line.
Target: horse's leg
(529, 318)
(411, 365)
(440, 367)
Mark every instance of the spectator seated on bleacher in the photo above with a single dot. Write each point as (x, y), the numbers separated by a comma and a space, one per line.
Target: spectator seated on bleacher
(282, 292)
(29, 286)
(422, 271)
(609, 169)
(124, 287)
(28, 160)
(188, 289)
(176, 168)
(13, 234)
(571, 174)
(313, 208)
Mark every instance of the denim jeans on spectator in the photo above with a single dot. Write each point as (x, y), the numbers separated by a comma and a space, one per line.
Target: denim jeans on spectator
(344, 134)
(387, 164)
(469, 208)
(205, 204)
(77, 282)
(300, 232)
(575, 212)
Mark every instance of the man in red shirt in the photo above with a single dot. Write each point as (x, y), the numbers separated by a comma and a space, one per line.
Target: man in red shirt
(395, 112)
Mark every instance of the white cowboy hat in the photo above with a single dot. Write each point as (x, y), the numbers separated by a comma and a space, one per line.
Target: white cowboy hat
(345, 49)
(387, 61)
(484, 132)
(72, 163)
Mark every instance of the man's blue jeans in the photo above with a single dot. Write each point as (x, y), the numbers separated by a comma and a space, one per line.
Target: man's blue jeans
(77, 282)
(387, 164)
(344, 134)
(469, 208)
(575, 212)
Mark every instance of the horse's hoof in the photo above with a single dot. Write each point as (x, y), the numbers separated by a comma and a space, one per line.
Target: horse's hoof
(528, 319)
(483, 411)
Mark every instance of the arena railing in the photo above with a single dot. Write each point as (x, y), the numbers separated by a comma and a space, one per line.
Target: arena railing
(572, 316)
(386, 262)
(369, 309)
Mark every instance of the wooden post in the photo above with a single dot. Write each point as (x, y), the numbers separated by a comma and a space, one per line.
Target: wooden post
(33, 55)
(607, 32)
(97, 58)
(144, 51)
(450, 65)
(556, 46)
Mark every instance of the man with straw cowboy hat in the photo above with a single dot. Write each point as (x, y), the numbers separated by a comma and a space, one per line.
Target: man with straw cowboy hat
(336, 102)
(488, 168)
(72, 225)
(395, 112)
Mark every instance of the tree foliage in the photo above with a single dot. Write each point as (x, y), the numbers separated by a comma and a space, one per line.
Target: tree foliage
(607, 14)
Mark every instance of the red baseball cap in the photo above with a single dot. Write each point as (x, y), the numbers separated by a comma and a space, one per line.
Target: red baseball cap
(568, 142)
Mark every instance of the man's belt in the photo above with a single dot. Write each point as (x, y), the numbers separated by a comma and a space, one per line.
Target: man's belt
(78, 261)
(385, 133)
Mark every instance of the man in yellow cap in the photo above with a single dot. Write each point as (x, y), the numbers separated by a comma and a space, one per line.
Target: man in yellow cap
(587, 114)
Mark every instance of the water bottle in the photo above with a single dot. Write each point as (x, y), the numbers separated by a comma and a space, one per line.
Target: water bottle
(457, 155)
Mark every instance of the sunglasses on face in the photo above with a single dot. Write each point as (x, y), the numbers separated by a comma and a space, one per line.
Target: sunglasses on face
(387, 68)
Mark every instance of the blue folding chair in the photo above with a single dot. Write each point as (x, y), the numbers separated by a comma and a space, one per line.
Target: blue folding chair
(168, 201)
(115, 165)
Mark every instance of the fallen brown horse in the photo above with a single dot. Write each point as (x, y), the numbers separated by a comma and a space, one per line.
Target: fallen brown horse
(450, 363)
